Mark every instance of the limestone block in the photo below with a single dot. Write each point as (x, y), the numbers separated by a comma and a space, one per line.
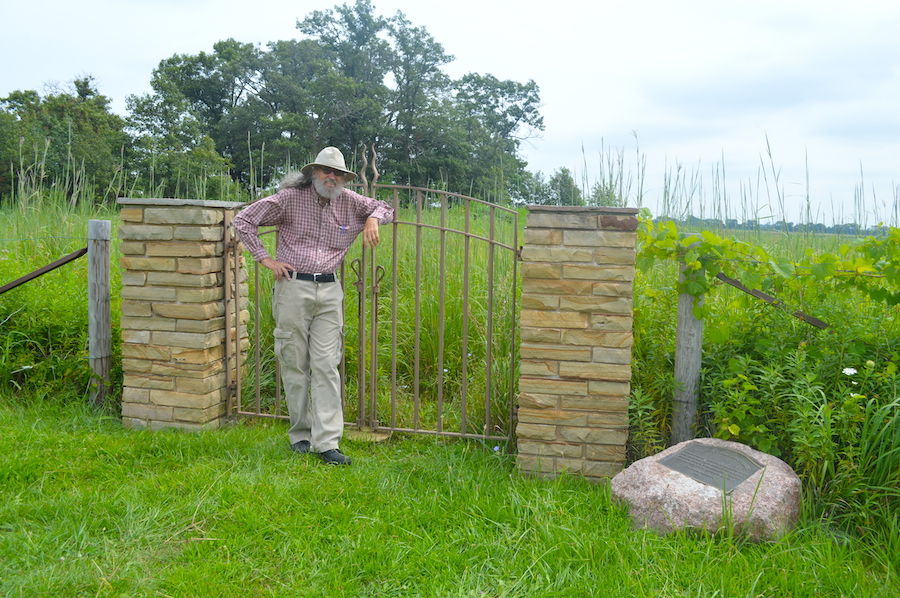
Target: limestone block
(185, 399)
(597, 303)
(140, 366)
(148, 263)
(197, 356)
(143, 232)
(200, 385)
(134, 278)
(597, 238)
(199, 233)
(552, 386)
(609, 419)
(189, 295)
(541, 270)
(148, 293)
(618, 256)
(183, 249)
(197, 370)
(131, 248)
(593, 435)
(540, 335)
(190, 311)
(553, 319)
(537, 253)
(607, 355)
(135, 395)
(136, 309)
(177, 279)
(594, 371)
(183, 215)
(595, 272)
(556, 287)
(135, 336)
(531, 301)
(531, 367)
(200, 416)
(187, 340)
(549, 449)
(147, 411)
(127, 214)
(606, 387)
(612, 323)
(148, 381)
(564, 220)
(152, 323)
(191, 265)
(598, 338)
(594, 402)
(556, 417)
(554, 352)
(143, 350)
(543, 236)
(536, 431)
(605, 452)
(202, 325)
(614, 289)
(538, 401)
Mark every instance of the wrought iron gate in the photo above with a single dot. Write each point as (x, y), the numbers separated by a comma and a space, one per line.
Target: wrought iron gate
(430, 321)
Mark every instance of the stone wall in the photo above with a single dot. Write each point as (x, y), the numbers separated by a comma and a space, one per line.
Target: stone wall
(576, 338)
(173, 312)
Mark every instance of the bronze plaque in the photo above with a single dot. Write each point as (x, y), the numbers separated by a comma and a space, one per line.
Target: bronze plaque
(712, 465)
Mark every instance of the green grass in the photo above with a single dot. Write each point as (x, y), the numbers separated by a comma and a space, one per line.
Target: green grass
(90, 509)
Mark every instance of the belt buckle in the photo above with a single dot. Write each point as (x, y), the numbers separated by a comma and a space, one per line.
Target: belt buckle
(316, 277)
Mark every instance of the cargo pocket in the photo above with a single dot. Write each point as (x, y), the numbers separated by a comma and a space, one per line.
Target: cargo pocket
(285, 348)
(339, 350)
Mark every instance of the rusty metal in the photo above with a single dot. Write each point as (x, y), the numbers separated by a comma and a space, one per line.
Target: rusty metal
(436, 402)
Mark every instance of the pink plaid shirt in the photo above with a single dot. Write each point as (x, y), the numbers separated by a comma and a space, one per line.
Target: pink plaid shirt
(312, 238)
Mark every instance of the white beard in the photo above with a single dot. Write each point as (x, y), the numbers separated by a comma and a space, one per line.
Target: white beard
(327, 193)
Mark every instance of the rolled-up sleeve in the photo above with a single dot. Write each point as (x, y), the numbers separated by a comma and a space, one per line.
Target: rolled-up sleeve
(263, 212)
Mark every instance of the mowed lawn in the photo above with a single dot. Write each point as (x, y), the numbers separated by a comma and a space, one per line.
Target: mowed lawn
(91, 509)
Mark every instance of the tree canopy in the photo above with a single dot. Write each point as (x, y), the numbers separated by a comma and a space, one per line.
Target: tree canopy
(356, 79)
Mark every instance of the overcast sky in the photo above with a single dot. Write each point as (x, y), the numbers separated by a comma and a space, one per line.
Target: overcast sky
(696, 83)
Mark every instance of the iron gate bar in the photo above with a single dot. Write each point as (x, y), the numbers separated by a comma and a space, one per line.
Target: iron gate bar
(442, 291)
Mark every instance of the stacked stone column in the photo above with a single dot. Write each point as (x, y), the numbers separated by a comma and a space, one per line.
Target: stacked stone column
(576, 338)
(173, 312)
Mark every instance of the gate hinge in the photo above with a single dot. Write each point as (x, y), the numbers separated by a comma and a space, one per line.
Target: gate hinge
(519, 253)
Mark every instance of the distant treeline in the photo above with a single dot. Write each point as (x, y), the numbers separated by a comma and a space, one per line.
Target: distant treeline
(850, 229)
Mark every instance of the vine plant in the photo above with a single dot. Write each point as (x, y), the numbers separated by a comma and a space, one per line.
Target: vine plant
(872, 265)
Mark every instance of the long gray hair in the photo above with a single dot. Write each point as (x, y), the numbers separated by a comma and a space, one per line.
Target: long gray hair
(295, 180)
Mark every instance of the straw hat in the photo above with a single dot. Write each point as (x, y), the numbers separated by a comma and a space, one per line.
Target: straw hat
(330, 157)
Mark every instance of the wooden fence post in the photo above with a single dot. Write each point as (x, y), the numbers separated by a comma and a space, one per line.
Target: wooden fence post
(99, 326)
(688, 357)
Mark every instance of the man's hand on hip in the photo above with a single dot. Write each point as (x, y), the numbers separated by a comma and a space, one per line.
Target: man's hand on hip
(279, 268)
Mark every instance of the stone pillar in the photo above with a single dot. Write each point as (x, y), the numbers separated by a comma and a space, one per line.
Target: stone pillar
(576, 338)
(173, 307)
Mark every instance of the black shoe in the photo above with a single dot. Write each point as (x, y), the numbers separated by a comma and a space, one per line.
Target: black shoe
(335, 457)
(301, 446)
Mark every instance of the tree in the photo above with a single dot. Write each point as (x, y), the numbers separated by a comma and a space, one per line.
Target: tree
(68, 138)
(563, 190)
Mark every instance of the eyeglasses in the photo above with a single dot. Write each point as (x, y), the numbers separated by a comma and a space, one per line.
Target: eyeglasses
(325, 170)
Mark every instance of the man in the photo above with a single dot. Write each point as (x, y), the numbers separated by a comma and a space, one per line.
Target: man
(316, 221)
